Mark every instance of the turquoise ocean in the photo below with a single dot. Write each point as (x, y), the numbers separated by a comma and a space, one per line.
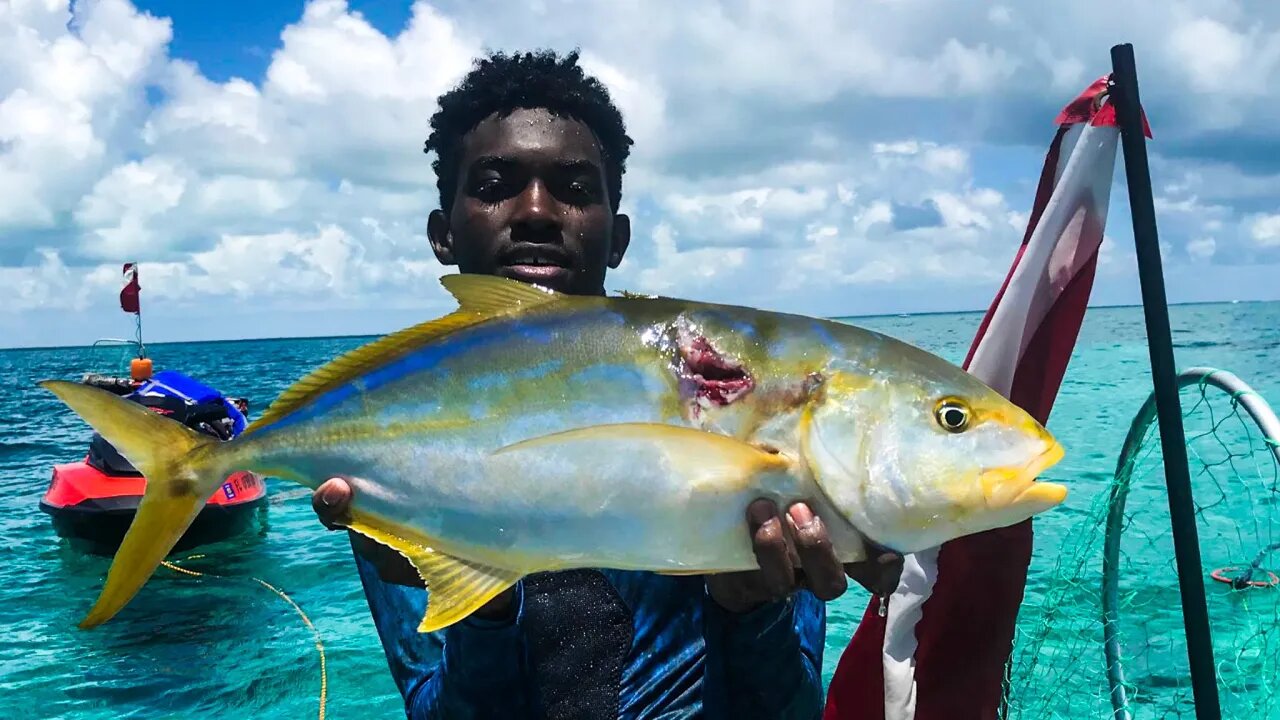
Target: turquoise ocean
(228, 647)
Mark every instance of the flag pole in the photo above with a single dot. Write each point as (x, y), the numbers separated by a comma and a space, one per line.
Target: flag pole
(1195, 614)
(142, 349)
(131, 302)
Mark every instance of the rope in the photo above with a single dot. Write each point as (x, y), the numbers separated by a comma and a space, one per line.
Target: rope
(1263, 553)
(324, 676)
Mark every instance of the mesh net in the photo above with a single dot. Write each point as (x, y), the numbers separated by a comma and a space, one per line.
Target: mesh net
(1119, 564)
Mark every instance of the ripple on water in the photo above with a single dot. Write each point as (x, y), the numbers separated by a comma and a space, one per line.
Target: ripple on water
(227, 647)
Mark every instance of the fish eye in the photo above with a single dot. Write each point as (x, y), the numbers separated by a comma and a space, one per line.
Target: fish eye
(953, 415)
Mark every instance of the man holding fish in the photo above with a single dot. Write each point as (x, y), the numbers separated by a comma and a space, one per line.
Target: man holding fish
(567, 505)
(531, 218)
(533, 196)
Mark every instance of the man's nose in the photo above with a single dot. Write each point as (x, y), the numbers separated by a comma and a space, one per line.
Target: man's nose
(536, 208)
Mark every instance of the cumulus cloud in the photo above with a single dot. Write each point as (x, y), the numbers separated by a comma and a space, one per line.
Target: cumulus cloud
(1265, 230)
(67, 101)
(1202, 248)
(826, 157)
(308, 184)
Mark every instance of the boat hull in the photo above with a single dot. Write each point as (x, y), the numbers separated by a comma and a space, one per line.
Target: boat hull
(94, 509)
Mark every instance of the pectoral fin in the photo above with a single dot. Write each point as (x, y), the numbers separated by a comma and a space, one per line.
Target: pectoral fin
(704, 454)
(456, 587)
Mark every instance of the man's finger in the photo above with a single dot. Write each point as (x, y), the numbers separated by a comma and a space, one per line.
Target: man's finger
(331, 502)
(878, 575)
(822, 570)
(890, 571)
(769, 542)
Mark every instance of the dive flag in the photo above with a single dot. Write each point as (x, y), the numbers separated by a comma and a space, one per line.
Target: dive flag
(129, 295)
(941, 650)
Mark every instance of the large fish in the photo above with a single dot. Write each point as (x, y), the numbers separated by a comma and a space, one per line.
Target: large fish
(530, 431)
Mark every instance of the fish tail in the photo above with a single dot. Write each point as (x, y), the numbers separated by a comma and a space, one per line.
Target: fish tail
(182, 469)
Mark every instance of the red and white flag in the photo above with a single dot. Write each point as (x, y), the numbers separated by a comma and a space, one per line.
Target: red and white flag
(129, 294)
(940, 653)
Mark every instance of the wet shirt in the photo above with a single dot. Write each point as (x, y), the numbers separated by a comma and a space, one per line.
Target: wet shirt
(605, 644)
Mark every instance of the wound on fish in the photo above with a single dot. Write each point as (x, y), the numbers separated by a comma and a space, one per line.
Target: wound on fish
(716, 380)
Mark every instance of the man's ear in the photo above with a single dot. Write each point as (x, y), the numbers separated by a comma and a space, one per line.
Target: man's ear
(620, 241)
(441, 237)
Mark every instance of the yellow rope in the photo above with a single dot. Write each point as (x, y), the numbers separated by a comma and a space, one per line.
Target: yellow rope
(324, 676)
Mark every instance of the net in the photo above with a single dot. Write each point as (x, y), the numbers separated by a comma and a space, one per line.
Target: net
(1101, 635)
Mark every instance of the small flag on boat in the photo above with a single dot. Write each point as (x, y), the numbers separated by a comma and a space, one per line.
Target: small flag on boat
(129, 295)
(940, 650)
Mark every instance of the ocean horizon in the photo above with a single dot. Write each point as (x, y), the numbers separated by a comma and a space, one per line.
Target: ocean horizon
(841, 318)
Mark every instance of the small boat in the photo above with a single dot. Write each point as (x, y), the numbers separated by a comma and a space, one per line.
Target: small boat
(93, 501)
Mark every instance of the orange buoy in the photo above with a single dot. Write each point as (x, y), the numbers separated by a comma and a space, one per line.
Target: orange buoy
(1226, 575)
(140, 369)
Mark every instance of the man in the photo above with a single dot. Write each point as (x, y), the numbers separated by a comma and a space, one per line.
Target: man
(530, 158)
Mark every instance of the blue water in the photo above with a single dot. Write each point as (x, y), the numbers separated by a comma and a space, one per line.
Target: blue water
(227, 646)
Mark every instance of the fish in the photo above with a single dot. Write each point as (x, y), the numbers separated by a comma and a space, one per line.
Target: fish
(529, 430)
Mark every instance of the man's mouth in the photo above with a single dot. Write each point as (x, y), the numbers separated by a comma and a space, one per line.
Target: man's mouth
(536, 264)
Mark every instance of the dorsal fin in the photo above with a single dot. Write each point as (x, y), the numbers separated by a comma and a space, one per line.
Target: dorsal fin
(480, 297)
(636, 296)
(490, 295)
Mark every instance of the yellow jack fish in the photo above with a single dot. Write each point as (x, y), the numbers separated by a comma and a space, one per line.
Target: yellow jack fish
(531, 431)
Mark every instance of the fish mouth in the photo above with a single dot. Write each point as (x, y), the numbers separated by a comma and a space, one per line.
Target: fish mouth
(1017, 486)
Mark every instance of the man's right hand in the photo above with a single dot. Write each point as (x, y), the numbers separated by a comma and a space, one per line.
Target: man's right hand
(332, 503)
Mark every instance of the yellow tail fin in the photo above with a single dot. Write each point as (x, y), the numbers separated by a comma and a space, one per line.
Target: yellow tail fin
(182, 471)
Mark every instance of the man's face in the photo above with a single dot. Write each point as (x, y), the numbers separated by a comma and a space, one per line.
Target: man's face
(532, 205)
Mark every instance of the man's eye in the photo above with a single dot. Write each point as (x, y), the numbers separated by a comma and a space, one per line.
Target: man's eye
(488, 187)
(581, 190)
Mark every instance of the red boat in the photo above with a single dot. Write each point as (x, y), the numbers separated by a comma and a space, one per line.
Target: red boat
(93, 501)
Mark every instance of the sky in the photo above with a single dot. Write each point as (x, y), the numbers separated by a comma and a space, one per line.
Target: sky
(263, 161)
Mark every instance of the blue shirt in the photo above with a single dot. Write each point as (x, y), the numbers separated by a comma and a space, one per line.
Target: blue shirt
(613, 643)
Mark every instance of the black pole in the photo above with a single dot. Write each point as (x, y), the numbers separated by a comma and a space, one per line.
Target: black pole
(1195, 614)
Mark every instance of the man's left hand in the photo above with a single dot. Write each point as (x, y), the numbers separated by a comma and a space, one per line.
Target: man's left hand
(794, 552)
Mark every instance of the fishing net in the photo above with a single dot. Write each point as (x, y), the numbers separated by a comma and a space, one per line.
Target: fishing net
(1101, 635)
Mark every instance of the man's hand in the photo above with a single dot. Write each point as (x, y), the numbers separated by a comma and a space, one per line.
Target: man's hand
(795, 552)
(332, 503)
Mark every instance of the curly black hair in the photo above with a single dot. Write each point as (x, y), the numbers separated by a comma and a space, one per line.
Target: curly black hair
(501, 83)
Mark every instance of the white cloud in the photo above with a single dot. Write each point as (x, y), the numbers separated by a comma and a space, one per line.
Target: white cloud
(1202, 248)
(120, 211)
(45, 282)
(673, 270)
(931, 156)
(340, 100)
(67, 101)
(752, 216)
(1216, 58)
(973, 211)
(841, 153)
(1265, 230)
